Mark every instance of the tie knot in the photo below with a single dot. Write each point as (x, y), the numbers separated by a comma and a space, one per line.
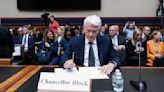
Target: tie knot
(90, 43)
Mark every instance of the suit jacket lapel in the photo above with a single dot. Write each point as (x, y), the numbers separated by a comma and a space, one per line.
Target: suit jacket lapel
(82, 44)
(100, 49)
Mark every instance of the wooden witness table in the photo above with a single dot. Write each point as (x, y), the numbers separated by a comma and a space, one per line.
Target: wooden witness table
(10, 80)
(152, 75)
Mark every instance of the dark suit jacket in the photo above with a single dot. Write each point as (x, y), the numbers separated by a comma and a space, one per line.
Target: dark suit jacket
(6, 43)
(121, 40)
(106, 51)
(31, 45)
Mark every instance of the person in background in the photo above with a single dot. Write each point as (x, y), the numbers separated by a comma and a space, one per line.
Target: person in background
(67, 26)
(60, 36)
(77, 31)
(28, 41)
(106, 28)
(20, 31)
(129, 29)
(53, 25)
(14, 34)
(49, 44)
(155, 50)
(38, 36)
(146, 33)
(67, 37)
(91, 49)
(118, 43)
(133, 48)
(102, 31)
(6, 43)
(162, 36)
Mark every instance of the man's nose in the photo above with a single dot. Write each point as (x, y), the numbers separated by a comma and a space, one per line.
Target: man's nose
(90, 33)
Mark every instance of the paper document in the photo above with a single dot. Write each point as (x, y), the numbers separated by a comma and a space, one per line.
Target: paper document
(17, 50)
(84, 72)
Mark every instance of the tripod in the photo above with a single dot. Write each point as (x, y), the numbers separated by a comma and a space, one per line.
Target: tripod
(139, 85)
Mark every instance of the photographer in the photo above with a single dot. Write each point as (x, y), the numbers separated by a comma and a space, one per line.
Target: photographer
(129, 28)
(160, 9)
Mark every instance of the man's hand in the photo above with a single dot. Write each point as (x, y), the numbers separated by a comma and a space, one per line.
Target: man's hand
(120, 47)
(107, 69)
(69, 64)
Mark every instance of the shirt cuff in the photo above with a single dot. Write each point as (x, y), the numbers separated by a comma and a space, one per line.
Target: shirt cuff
(113, 62)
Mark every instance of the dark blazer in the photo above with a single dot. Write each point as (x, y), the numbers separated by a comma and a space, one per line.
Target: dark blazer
(31, 45)
(121, 40)
(130, 50)
(6, 43)
(106, 51)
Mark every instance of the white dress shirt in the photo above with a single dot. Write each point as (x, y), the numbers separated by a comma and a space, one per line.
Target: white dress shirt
(115, 41)
(86, 52)
(25, 43)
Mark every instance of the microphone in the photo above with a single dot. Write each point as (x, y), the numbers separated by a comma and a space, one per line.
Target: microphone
(139, 85)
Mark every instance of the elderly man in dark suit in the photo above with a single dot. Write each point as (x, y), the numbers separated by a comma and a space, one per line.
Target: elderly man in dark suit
(91, 49)
(6, 43)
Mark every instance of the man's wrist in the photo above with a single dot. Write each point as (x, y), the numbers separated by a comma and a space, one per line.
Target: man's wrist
(113, 62)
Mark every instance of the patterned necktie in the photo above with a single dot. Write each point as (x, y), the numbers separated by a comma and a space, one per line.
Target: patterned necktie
(91, 60)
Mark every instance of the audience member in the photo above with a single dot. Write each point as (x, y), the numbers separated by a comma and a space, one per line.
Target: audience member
(146, 33)
(118, 43)
(28, 41)
(67, 37)
(162, 37)
(53, 25)
(155, 50)
(129, 29)
(77, 31)
(133, 48)
(50, 46)
(102, 31)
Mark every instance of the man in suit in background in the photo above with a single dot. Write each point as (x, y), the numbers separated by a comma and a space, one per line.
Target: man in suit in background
(6, 43)
(91, 49)
(118, 43)
(28, 41)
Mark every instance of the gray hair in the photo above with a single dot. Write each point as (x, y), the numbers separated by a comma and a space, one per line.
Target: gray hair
(94, 20)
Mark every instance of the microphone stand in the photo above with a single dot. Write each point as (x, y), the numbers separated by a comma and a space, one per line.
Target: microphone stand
(139, 85)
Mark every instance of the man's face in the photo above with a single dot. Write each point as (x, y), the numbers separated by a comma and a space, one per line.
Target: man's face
(102, 29)
(147, 30)
(25, 30)
(91, 32)
(112, 31)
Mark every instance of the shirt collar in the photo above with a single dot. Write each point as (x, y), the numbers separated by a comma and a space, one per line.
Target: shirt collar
(115, 37)
(87, 41)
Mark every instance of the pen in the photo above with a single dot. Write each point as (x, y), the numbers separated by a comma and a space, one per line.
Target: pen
(73, 56)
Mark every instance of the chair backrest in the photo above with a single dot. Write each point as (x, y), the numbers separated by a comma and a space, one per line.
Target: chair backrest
(5, 61)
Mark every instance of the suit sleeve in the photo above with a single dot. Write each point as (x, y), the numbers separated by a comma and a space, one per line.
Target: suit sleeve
(67, 54)
(113, 55)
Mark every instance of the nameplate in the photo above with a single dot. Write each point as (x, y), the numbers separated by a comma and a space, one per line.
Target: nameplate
(52, 82)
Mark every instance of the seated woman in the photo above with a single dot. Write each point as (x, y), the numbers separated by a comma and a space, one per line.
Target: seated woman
(133, 48)
(155, 50)
(49, 46)
(65, 40)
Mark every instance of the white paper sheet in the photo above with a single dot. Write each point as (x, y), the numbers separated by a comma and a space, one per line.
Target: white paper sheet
(84, 72)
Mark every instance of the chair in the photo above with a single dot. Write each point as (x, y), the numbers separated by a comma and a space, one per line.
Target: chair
(5, 61)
